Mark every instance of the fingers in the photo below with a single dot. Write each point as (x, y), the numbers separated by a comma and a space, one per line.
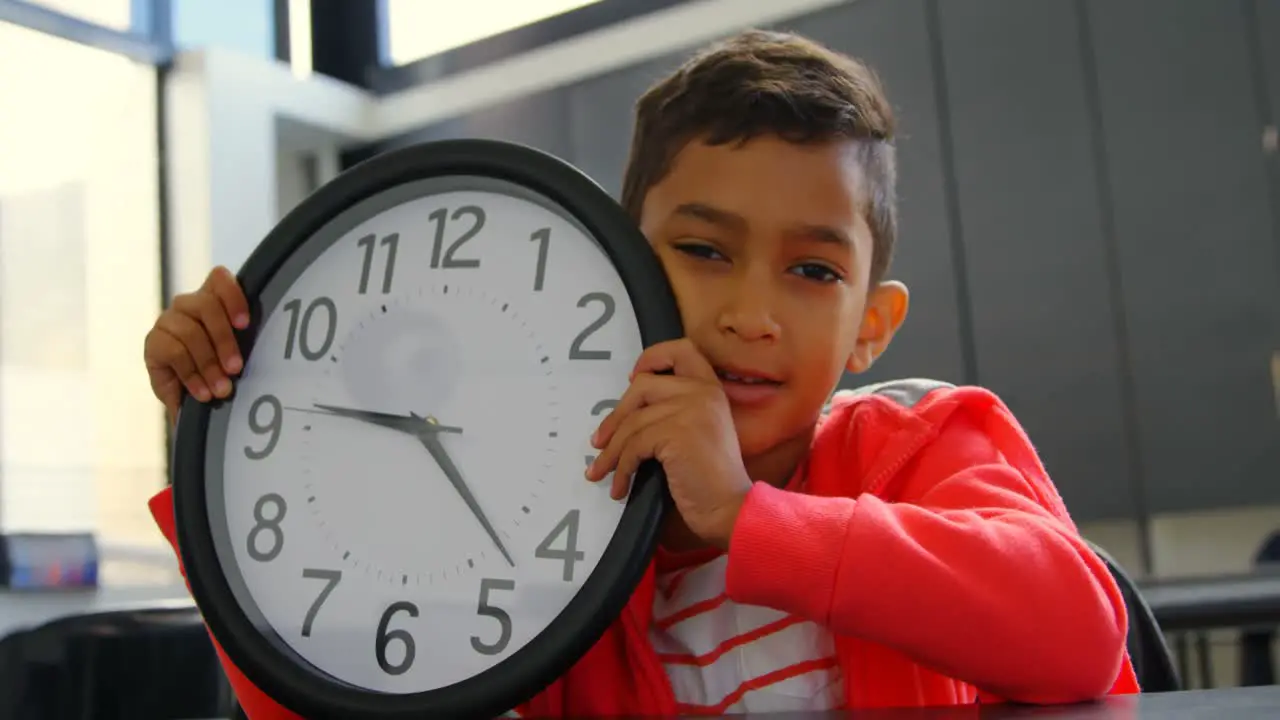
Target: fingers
(645, 390)
(677, 357)
(208, 310)
(172, 367)
(183, 346)
(223, 285)
(193, 344)
(634, 442)
(641, 445)
(164, 381)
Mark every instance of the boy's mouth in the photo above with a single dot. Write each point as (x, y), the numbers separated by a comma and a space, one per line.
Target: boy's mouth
(745, 378)
(746, 387)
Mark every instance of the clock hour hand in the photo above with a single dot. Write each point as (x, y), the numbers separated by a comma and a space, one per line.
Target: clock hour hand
(431, 441)
(411, 424)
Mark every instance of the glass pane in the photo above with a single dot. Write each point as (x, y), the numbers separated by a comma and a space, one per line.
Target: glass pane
(81, 439)
(416, 29)
(115, 14)
(246, 26)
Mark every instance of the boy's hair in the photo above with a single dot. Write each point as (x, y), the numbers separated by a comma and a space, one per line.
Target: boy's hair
(770, 83)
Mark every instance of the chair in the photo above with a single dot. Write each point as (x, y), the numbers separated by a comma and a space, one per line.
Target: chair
(143, 664)
(1257, 665)
(1152, 661)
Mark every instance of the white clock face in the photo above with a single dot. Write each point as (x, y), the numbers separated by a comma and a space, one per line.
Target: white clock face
(397, 489)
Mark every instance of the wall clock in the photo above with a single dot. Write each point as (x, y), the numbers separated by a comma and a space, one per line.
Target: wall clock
(388, 519)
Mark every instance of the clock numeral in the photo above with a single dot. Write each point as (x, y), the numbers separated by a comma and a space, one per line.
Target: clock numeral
(331, 579)
(487, 609)
(543, 238)
(595, 412)
(300, 327)
(568, 527)
(271, 427)
(269, 525)
(385, 637)
(442, 257)
(610, 307)
(370, 245)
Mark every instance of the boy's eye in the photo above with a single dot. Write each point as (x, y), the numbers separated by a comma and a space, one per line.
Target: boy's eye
(819, 273)
(700, 250)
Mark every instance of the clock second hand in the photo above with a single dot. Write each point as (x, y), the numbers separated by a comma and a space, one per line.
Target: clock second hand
(432, 443)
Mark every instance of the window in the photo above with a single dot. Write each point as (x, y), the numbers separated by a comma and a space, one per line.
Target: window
(81, 440)
(115, 14)
(416, 29)
(245, 26)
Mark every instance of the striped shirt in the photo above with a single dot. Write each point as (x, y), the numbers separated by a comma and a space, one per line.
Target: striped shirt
(725, 658)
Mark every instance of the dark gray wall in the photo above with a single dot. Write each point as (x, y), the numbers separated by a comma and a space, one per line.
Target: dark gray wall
(1195, 239)
(1090, 224)
(1032, 230)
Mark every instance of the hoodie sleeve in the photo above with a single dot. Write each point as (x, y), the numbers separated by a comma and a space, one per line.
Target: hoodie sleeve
(968, 572)
(254, 702)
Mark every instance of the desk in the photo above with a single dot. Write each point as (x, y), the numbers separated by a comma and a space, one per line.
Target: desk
(1229, 601)
(1232, 704)
(1228, 704)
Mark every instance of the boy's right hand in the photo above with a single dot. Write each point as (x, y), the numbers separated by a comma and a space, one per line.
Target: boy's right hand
(192, 345)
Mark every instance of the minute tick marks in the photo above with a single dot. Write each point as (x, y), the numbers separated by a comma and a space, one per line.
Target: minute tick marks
(373, 331)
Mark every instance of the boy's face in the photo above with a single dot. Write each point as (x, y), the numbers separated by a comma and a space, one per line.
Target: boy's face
(769, 254)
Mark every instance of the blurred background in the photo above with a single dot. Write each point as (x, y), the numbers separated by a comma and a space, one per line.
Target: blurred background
(1090, 227)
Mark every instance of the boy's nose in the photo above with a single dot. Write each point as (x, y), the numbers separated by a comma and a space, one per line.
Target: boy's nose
(747, 312)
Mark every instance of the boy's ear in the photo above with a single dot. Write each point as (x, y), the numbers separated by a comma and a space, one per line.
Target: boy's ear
(886, 309)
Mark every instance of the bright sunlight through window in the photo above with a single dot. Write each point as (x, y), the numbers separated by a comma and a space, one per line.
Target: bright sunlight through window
(418, 28)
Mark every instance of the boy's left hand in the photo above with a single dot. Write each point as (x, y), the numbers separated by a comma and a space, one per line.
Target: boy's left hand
(682, 420)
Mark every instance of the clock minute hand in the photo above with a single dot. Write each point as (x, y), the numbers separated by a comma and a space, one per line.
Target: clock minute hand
(431, 442)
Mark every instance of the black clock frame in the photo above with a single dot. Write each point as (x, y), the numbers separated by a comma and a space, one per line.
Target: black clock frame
(284, 676)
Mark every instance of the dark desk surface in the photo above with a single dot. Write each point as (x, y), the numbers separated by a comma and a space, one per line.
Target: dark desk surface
(1228, 704)
(1252, 703)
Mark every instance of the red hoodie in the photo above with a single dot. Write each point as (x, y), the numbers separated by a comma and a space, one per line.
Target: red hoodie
(930, 542)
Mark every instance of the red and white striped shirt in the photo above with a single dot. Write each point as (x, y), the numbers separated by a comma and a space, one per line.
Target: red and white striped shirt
(723, 657)
(726, 658)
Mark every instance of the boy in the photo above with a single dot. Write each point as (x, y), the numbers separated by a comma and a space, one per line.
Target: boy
(903, 548)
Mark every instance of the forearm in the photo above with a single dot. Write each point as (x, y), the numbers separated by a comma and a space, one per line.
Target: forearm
(255, 703)
(1004, 598)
